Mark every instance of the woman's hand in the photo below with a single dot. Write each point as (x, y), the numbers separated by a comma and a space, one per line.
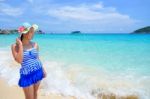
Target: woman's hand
(18, 41)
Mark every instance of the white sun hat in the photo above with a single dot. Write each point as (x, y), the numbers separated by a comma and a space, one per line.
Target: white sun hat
(25, 27)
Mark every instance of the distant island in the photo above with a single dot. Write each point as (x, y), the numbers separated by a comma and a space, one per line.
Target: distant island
(7, 31)
(13, 31)
(76, 32)
(145, 30)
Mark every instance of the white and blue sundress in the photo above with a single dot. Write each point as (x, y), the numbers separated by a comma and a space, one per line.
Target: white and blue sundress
(31, 68)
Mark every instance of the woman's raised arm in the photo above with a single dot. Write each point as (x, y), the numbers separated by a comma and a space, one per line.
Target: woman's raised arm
(17, 51)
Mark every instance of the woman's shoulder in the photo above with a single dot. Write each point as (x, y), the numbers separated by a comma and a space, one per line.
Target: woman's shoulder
(35, 44)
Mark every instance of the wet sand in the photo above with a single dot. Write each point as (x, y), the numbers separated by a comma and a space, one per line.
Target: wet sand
(15, 92)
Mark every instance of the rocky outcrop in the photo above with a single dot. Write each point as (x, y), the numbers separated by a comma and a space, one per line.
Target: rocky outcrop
(145, 30)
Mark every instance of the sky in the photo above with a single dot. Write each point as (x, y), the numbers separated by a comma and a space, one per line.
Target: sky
(87, 16)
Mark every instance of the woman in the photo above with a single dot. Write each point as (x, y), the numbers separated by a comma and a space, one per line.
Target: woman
(25, 52)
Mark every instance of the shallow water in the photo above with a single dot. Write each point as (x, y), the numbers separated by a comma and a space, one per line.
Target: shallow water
(86, 66)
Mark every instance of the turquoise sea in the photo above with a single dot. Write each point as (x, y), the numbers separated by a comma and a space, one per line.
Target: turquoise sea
(86, 65)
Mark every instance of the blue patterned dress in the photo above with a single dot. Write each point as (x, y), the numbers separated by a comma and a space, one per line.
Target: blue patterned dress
(31, 68)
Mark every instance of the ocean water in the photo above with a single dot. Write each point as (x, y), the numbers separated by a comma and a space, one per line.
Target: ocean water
(87, 66)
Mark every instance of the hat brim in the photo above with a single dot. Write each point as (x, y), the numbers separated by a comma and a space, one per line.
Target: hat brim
(35, 27)
(28, 26)
(25, 31)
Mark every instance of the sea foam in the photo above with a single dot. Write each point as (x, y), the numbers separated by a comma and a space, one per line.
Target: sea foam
(80, 81)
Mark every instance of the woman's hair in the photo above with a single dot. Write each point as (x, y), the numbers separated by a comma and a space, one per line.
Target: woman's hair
(21, 37)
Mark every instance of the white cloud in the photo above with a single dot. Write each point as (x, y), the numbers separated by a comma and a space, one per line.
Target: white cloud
(5, 20)
(88, 17)
(95, 12)
(9, 10)
(30, 1)
(2, 0)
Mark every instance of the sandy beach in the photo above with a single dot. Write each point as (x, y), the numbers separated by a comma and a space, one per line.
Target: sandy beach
(15, 92)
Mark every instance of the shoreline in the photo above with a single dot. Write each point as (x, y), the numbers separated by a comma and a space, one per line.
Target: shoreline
(11, 92)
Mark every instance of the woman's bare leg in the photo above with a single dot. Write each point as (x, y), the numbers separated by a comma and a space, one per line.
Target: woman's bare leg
(36, 87)
(29, 92)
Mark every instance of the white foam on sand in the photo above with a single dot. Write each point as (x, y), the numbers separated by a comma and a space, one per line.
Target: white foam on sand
(9, 70)
(79, 81)
(56, 82)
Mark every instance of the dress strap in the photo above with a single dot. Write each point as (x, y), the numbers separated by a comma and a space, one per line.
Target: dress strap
(32, 44)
